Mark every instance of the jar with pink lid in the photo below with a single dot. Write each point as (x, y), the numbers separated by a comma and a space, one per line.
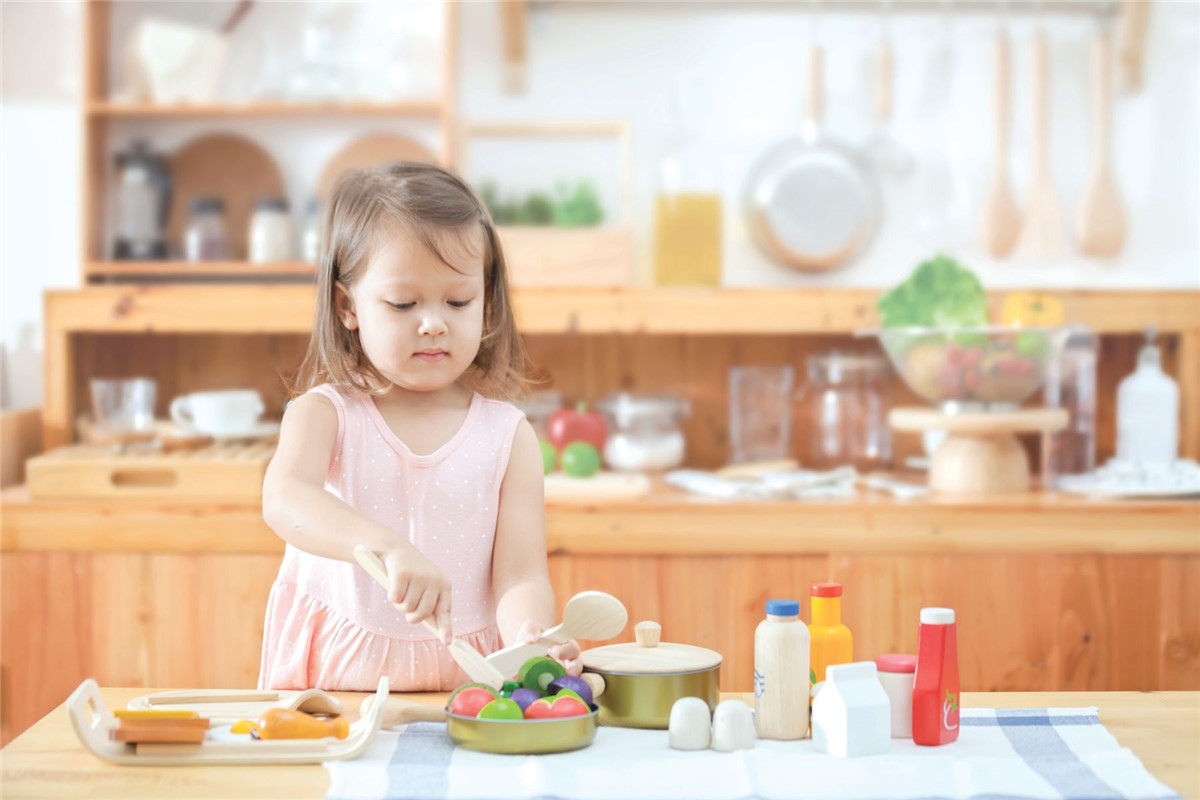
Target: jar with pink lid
(896, 673)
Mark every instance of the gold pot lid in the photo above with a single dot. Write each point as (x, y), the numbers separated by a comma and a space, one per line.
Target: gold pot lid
(649, 657)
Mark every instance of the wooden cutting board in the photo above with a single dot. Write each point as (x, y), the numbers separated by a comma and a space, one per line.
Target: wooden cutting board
(601, 486)
(230, 470)
(371, 151)
(230, 167)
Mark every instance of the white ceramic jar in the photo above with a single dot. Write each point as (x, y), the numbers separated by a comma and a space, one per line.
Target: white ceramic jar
(896, 673)
(270, 232)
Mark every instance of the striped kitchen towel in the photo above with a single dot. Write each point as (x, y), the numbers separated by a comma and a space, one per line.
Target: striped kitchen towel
(1037, 753)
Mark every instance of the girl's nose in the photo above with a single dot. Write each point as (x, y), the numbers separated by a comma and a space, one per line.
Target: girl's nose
(432, 325)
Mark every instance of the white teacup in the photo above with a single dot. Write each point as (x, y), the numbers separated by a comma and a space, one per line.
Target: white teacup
(218, 413)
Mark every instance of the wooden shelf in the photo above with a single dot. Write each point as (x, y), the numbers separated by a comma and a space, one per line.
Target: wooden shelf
(188, 308)
(411, 108)
(205, 269)
(666, 523)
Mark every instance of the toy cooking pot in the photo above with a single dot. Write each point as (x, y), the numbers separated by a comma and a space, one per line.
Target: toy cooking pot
(508, 737)
(642, 681)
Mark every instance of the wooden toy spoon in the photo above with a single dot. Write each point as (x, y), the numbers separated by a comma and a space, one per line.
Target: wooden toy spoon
(587, 615)
(467, 657)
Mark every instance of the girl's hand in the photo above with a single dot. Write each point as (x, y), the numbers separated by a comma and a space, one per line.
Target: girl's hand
(419, 588)
(566, 653)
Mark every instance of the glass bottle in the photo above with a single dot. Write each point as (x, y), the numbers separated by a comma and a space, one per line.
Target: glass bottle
(1071, 385)
(1148, 410)
(687, 208)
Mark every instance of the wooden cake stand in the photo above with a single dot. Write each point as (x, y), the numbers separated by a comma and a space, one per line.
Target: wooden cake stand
(980, 454)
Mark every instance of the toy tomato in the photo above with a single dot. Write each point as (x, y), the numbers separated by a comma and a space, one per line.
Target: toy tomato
(470, 700)
(576, 425)
(556, 708)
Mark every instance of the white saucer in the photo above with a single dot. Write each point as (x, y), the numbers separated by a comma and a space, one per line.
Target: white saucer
(259, 430)
(1180, 478)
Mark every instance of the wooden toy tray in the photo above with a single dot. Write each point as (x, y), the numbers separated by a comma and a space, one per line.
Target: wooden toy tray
(223, 470)
(92, 722)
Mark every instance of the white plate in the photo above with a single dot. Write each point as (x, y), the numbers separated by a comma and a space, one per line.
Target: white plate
(1132, 493)
(260, 430)
(1117, 479)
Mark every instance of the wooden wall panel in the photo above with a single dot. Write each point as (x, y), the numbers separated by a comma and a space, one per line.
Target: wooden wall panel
(587, 367)
(191, 363)
(1026, 623)
(697, 367)
(127, 619)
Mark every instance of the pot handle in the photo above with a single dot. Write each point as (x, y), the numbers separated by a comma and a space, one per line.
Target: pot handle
(595, 682)
(815, 107)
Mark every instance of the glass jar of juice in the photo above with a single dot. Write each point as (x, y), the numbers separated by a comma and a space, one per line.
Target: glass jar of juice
(687, 208)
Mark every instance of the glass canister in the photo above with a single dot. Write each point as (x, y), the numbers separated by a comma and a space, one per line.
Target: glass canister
(205, 238)
(270, 231)
(1071, 384)
(841, 412)
(645, 431)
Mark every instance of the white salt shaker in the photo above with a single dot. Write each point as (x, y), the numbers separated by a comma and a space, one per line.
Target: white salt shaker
(896, 673)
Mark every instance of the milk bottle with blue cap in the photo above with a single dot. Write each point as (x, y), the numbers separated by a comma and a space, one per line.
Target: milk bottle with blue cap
(781, 650)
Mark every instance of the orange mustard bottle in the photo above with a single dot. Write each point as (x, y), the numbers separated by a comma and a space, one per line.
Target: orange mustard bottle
(831, 641)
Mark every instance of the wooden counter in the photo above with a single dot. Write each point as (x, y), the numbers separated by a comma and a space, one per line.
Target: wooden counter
(1054, 593)
(1162, 729)
(668, 522)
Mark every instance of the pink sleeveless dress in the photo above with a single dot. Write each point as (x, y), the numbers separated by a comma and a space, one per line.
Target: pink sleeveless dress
(329, 625)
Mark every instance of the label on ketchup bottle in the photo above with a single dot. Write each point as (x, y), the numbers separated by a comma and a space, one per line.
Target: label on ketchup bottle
(935, 685)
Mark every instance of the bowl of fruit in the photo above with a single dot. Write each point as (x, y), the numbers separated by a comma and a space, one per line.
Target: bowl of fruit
(978, 367)
(543, 711)
(937, 335)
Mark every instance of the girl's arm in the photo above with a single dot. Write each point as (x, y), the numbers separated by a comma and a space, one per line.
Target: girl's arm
(300, 511)
(520, 578)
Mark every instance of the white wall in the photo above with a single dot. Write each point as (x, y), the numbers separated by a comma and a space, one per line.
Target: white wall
(593, 62)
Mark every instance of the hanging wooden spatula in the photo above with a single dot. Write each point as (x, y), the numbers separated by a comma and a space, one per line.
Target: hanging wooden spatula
(587, 615)
(467, 657)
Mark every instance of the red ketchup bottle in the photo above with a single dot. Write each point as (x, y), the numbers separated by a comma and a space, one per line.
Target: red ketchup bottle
(935, 686)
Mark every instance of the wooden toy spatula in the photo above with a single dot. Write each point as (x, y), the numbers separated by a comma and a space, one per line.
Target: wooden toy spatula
(587, 615)
(467, 657)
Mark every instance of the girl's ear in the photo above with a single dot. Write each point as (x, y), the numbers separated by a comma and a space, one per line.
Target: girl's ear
(343, 305)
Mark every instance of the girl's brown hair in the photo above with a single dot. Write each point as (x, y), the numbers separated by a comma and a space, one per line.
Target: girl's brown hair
(436, 206)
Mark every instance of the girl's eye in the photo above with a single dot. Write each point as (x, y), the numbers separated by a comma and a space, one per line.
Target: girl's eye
(459, 303)
(401, 306)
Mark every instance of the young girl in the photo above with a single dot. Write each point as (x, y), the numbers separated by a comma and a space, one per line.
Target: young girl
(394, 445)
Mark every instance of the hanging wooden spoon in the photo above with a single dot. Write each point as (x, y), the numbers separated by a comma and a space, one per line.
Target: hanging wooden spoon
(1041, 235)
(1000, 222)
(587, 615)
(1101, 223)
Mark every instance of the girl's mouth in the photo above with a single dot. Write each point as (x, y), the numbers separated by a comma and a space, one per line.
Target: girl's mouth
(432, 356)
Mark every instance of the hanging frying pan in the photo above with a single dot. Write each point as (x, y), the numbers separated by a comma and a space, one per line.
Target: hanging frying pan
(809, 202)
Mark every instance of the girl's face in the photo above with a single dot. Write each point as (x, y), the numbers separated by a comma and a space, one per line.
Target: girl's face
(419, 320)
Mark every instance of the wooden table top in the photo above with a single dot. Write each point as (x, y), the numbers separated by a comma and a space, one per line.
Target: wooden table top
(1162, 729)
